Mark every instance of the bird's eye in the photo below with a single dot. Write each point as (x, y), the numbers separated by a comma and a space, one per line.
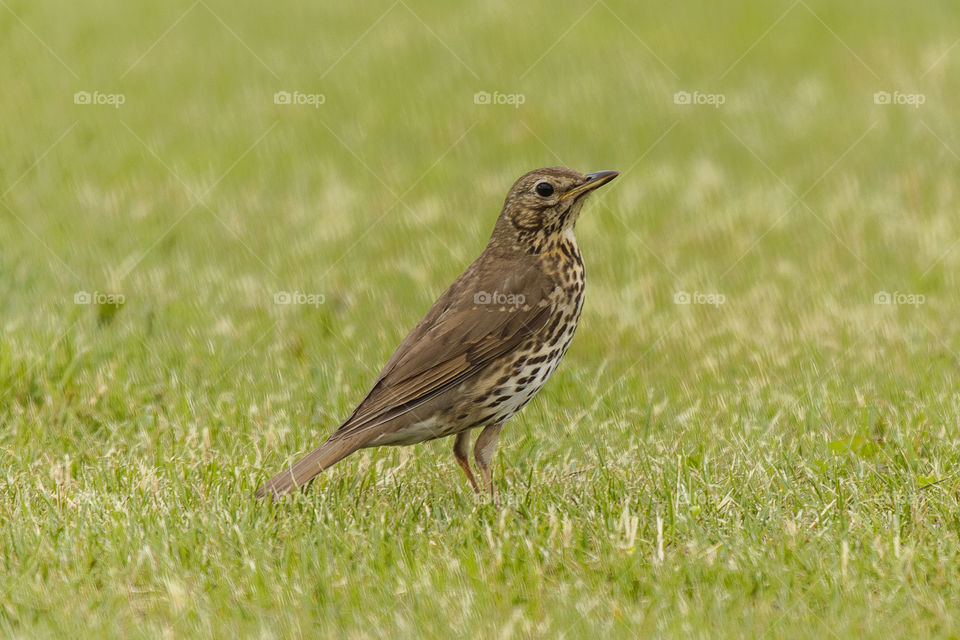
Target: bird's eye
(545, 189)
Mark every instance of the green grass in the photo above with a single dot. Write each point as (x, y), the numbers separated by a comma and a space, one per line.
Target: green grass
(784, 464)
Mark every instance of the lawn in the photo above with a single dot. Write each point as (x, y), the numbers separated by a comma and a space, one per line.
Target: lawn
(754, 433)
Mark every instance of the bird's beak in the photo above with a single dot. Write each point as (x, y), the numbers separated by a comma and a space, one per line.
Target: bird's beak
(594, 180)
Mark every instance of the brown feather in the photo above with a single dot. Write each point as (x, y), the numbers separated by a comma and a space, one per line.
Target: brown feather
(307, 468)
(459, 340)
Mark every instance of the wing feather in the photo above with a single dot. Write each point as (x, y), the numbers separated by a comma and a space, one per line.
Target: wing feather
(456, 340)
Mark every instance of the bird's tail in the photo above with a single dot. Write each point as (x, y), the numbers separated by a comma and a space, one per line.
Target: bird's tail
(308, 467)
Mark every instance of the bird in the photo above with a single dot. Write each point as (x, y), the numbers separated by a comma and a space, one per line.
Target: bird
(486, 346)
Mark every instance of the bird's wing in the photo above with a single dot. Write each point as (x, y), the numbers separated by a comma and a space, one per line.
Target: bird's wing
(455, 340)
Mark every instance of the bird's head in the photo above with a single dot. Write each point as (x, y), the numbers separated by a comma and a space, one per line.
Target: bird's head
(545, 203)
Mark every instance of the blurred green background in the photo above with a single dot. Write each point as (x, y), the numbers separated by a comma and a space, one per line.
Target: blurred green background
(784, 462)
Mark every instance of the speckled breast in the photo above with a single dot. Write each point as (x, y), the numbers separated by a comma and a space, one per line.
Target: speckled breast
(521, 376)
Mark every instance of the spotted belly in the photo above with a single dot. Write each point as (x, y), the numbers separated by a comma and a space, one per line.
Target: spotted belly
(521, 377)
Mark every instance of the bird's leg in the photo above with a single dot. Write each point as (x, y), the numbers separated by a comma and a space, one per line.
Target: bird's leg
(483, 451)
(461, 449)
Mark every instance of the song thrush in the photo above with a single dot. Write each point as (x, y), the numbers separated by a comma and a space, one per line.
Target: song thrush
(487, 345)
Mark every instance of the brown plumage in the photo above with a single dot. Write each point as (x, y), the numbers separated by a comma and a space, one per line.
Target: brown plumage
(487, 345)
